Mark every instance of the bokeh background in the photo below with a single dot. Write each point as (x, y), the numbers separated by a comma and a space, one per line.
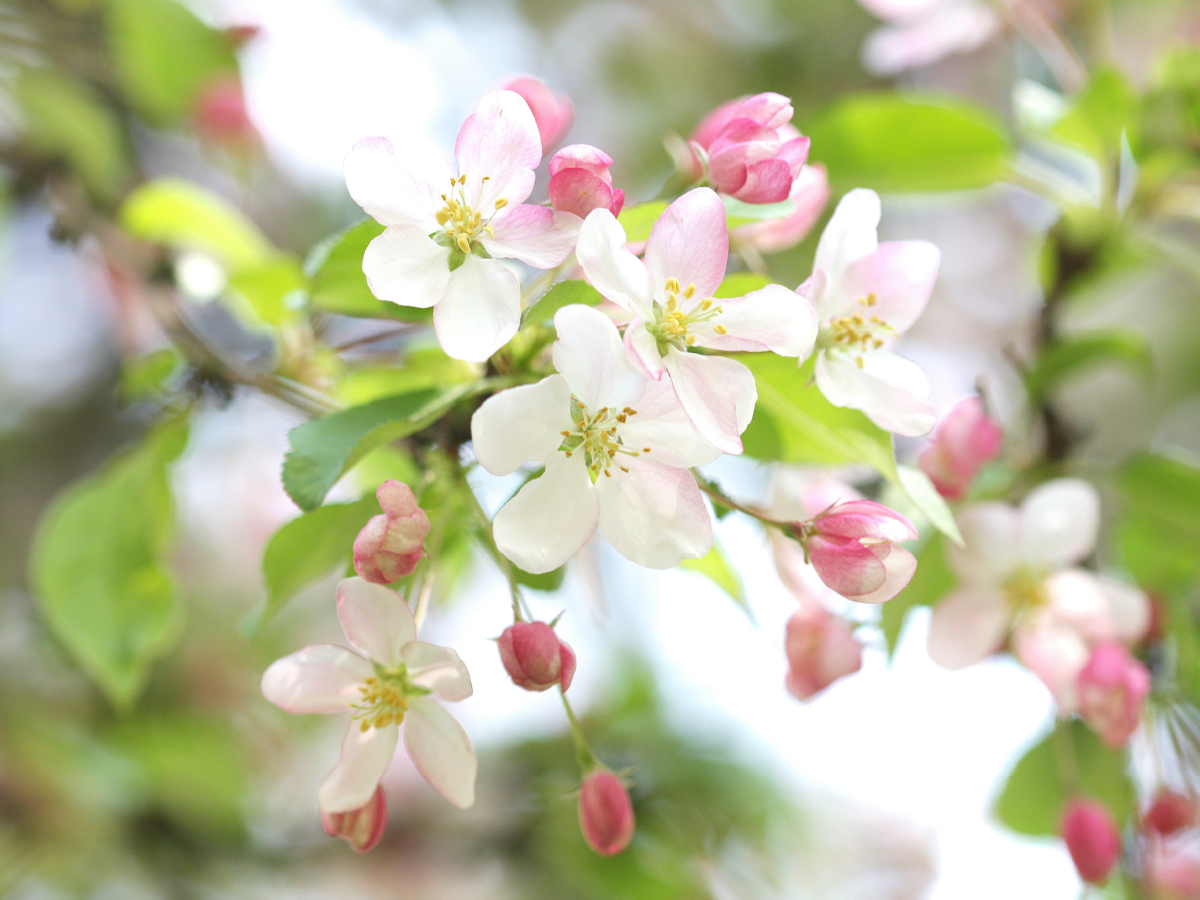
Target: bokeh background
(881, 787)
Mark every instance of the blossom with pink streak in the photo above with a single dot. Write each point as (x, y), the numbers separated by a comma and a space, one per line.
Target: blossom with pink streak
(671, 297)
(1016, 571)
(580, 181)
(535, 657)
(605, 813)
(809, 196)
(386, 683)
(361, 828)
(1092, 839)
(820, 649)
(390, 545)
(1112, 687)
(920, 32)
(866, 295)
(854, 547)
(552, 112)
(445, 224)
(1170, 812)
(965, 439)
(617, 449)
(752, 151)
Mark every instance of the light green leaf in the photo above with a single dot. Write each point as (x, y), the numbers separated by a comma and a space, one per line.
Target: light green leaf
(150, 375)
(1100, 113)
(100, 570)
(639, 220)
(1064, 358)
(272, 290)
(424, 367)
(1037, 791)
(741, 283)
(565, 293)
(793, 422)
(932, 580)
(910, 143)
(738, 213)
(716, 567)
(925, 497)
(544, 581)
(338, 285)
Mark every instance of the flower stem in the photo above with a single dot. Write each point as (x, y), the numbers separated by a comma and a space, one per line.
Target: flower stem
(718, 496)
(488, 539)
(583, 753)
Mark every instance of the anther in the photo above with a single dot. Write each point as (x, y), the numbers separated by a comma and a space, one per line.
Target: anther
(720, 329)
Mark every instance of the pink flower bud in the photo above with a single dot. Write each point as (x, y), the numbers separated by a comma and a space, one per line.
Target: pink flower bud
(391, 545)
(965, 439)
(1170, 812)
(605, 813)
(361, 828)
(854, 548)
(221, 117)
(820, 649)
(580, 182)
(810, 193)
(535, 658)
(1112, 686)
(1092, 840)
(552, 112)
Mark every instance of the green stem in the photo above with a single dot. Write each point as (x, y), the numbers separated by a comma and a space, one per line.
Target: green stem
(583, 753)
(718, 496)
(489, 544)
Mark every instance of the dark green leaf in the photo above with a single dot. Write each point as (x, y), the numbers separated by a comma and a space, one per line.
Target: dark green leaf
(562, 294)
(99, 566)
(546, 581)
(1062, 359)
(639, 220)
(908, 143)
(932, 580)
(338, 285)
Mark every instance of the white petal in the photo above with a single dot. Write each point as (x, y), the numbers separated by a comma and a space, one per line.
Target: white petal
(643, 349)
(497, 149)
(375, 618)
(405, 266)
(1128, 607)
(319, 679)
(991, 543)
(610, 267)
(654, 514)
(1059, 522)
(892, 391)
(1078, 602)
(690, 243)
(398, 185)
(968, 625)
(899, 566)
(589, 354)
(1055, 655)
(850, 235)
(365, 757)
(521, 424)
(537, 236)
(441, 751)
(437, 668)
(662, 424)
(480, 310)
(772, 318)
(550, 518)
(718, 394)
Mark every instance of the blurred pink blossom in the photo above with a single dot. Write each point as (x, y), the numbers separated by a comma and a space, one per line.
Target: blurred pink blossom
(820, 649)
(1112, 687)
(553, 113)
(1170, 812)
(1172, 869)
(535, 657)
(580, 181)
(390, 545)
(361, 828)
(221, 117)
(965, 439)
(920, 32)
(1092, 839)
(605, 813)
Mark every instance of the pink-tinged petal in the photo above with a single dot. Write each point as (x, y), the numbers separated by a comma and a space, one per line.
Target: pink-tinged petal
(535, 235)
(900, 275)
(365, 757)
(438, 669)
(741, 143)
(499, 142)
(847, 566)
(654, 514)
(405, 266)
(771, 318)
(800, 493)
(690, 242)
(589, 354)
(768, 108)
(865, 520)
(850, 235)
(965, 439)
(441, 751)
(550, 518)
(991, 543)
(809, 195)
(900, 10)
(375, 618)
(1129, 610)
(605, 813)
(662, 424)
(361, 828)
(521, 424)
(615, 272)
(714, 123)
(569, 662)
(582, 156)
(795, 153)
(820, 649)
(1076, 601)
(396, 499)
(552, 112)
(892, 391)
(579, 191)
(1112, 688)
(954, 28)
(899, 568)
(480, 310)
(642, 349)
(319, 679)
(968, 626)
(717, 393)
(769, 181)
(398, 185)
(1059, 522)
(1055, 655)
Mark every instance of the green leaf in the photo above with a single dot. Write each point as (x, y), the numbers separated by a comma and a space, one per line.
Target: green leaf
(308, 548)
(100, 571)
(272, 290)
(165, 56)
(325, 449)
(932, 580)
(1067, 357)
(741, 283)
(793, 422)
(546, 581)
(716, 567)
(337, 283)
(1160, 535)
(565, 293)
(925, 497)
(639, 220)
(179, 214)
(150, 375)
(910, 143)
(424, 367)
(1101, 112)
(738, 213)
(65, 118)
(1036, 793)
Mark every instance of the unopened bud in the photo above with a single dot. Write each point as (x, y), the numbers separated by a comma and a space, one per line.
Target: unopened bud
(1092, 839)
(854, 547)
(535, 658)
(1112, 687)
(1170, 812)
(964, 440)
(361, 828)
(552, 112)
(820, 650)
(580, 181)
(390, 545)
(605, 813)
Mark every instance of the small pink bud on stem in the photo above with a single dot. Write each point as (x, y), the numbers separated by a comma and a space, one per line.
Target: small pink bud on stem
(361, 828)
(1170, 812)
(605, 813)
(1112, 688)
(1092, 839)
(820, 650)
(580, 181)
(535, 658)
(390, 545)
(964, 441)
(855, 550)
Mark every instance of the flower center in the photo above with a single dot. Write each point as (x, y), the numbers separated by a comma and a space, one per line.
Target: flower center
(461, 221)
(596, 436)
(673, 324)
(1025, 590)
(384, 699)
(857, 332)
